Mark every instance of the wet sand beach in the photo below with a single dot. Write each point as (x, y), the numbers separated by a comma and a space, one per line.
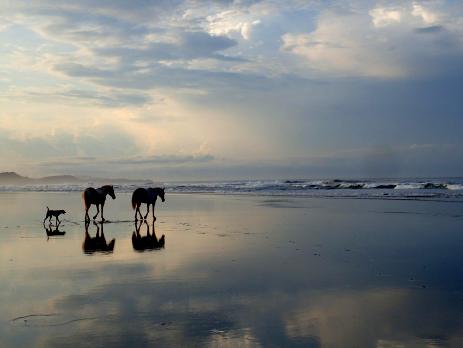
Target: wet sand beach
(235, 271)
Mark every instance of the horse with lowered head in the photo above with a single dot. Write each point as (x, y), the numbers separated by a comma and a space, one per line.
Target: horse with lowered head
(148, 196)
(98, 197)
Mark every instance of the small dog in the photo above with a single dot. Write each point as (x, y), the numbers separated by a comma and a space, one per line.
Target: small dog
(55, 213)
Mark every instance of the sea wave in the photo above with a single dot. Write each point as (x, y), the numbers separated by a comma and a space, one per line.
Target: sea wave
(449, 189)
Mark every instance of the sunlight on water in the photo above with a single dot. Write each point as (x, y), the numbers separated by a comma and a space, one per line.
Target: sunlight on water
(234, 271)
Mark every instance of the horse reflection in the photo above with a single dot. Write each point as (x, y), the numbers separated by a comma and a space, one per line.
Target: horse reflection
(97, 243)
(148, 242)
(53, 232)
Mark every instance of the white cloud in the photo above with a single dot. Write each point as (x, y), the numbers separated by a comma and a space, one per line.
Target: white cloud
(382, 16)
(381, 42)
(425, 14)
(345, 45)
(232, 21)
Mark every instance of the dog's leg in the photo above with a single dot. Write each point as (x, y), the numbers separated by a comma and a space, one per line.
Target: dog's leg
(97, 211)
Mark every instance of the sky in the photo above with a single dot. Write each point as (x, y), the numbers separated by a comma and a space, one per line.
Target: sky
(200, 90)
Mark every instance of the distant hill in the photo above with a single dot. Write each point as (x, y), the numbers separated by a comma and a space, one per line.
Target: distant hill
(12, 178)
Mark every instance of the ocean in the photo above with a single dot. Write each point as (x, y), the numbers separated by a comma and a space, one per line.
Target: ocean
(414, 188)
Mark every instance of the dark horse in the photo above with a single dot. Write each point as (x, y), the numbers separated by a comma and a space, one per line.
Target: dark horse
(148, 196)
(97, 197)
(148, 242)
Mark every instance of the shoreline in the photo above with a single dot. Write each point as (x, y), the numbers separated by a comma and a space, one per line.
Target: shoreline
(271, 195)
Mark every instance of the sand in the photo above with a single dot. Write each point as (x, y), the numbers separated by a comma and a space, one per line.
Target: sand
(234, 271)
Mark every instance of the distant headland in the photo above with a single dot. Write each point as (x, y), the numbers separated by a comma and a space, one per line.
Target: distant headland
(13, 178)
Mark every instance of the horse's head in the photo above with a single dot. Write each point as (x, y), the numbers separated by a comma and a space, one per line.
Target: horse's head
(161, 194)
(110, 191)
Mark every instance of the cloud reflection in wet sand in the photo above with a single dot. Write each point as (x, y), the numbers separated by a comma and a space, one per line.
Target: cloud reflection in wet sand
(246, 290)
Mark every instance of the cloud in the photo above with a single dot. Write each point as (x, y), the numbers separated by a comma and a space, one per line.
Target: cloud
(159, 76)
(175, 166)
(383, 16)
(232, 21)
(165, 159)
(255, 80)
(187, 46)
(381, 42)
(425, 14)
(159, 159)
(430, 30)
(104, 141)
(81, 96)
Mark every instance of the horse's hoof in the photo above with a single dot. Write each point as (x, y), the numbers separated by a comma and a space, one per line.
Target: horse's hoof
(154, 218)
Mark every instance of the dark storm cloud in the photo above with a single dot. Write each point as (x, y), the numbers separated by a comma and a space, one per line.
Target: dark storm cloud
(147, 160)
(430, 30)
(190, 45)
(108, 99)
(158, 75)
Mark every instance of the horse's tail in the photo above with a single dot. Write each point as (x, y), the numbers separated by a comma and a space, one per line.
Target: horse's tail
(134, 199)
(48, 208)
(84, 199)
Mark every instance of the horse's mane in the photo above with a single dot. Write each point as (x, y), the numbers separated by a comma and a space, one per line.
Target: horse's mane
(107, 187)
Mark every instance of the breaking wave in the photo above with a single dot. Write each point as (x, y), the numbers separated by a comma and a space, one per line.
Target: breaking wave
(398, 188)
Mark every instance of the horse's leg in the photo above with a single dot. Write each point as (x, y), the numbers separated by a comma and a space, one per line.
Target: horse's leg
(97, 211)
(102, 217)
(147, 210)
(154, 217)
(87, 217)
(137, 206)
(138, 212)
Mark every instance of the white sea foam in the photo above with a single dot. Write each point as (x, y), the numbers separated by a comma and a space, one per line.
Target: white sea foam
(385, 189)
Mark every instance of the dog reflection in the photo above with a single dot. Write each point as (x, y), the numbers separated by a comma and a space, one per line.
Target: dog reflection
(97, 243)
(148, 242)
(53, 232)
